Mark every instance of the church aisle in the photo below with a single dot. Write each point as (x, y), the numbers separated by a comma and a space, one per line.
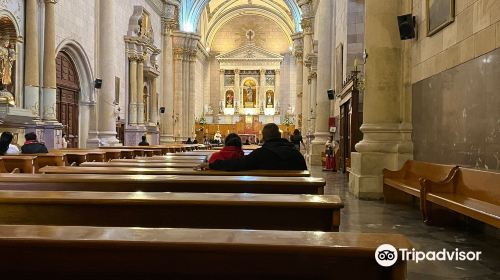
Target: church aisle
(376, 216)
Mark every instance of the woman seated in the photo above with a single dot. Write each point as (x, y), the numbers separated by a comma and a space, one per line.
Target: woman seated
(6, 148)
(232, 149)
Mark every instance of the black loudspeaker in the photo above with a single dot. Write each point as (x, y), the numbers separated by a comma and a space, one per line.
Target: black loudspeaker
(98, 83)
(331, 94)
(407, 25)
(162, 110)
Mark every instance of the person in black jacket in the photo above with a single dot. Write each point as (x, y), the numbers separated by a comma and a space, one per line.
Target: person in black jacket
(144, 142)
(32, 146)
(275, 154)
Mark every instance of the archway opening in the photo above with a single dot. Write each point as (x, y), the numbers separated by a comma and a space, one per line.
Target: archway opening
(8, 56)
(68, 96)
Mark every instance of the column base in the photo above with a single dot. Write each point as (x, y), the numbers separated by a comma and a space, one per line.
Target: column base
(140, 113)
(166, 139)
(317, 148)
(51, 134)
(133, 134)
(153, 133)
(32, 100)
(108, 139)
(49, 105)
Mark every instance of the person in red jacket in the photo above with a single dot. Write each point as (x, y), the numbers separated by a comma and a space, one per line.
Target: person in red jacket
(232, 149)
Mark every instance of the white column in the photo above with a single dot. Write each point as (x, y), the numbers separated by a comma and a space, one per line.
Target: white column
(262, 92)
(237, 89)
(277, 87)
(312, 101)
(140, 91)
(166, 122)
(132, 111)
(192, 89)
(386, 136)
(299, 62)
(222, 88)
(107, 70)
(153, 111)
(324, 81)
(32, 73)
(178, 55)
(308, 31)
(49, 63)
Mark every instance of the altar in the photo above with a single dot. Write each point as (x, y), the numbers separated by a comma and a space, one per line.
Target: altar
(252, 138)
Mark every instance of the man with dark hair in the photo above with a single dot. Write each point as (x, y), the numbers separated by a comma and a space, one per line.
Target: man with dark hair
(32, 146)
(144, 142)
(275, 154)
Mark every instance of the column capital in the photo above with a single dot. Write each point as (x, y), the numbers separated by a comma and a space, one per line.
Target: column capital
(262, 71)
(222, 71)
(50, 1)
(308, 25)
(236, 71)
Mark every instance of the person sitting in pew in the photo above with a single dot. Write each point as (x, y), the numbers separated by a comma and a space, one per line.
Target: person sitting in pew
(6, 148)
(232, 149)
(276, 154)
(32, 146)
(144, 142)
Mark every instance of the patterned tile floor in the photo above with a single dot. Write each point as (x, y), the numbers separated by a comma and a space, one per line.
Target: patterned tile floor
(376, 216)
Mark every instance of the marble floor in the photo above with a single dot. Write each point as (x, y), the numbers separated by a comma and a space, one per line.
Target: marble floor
(376, 216)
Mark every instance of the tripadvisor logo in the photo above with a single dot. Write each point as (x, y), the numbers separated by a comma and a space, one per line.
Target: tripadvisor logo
(387, 255)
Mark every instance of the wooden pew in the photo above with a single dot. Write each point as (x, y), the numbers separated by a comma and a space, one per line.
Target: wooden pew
(162, 183)
(142, 164)
(168, 171)
(403, 186)
(25, 164)
(33, 252)
(470, 192)
(50, 160)
(167, 159)
(190, 210)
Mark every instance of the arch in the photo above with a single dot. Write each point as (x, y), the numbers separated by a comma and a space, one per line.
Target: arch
(191, 11)
(87, 101)
(9, 15)
(15, 38)
(253, 97)
(238, 11)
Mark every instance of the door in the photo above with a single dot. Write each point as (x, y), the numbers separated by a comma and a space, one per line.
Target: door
(68, 95)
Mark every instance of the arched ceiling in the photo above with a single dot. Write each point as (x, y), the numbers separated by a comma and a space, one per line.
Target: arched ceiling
(233, 34)
(212, 12)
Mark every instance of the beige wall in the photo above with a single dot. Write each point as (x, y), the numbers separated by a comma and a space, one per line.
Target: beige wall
(476, 31)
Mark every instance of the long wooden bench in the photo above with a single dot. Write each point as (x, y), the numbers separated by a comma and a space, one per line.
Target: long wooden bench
(470, 192)
(167, 171)
(142, 164)
(24, 164)
(403, 186)
(170, 159)
(190, 210)
(136, 253)
(162, 183)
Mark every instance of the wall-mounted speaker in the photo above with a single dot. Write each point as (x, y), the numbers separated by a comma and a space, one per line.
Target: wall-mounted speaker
(98, 83)
(162, 110)
(407, 25)
(331, 94)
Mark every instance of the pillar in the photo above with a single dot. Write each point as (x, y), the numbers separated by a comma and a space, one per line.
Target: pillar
(132, 113)
(191, 93)
(299, 62)
(262, 92)
(312, 101)
(140, 91)
(153, 111)
(49, 63)
(386, 135)
(222, 88)
(308, 30)
(277, 87)
(31, 70)
(178, 55)
(237, 89)
(166, 121)
(107, 72)
(324, 81)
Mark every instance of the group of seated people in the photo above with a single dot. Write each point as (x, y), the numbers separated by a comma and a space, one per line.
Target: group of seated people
(275, 154)
(31, 145)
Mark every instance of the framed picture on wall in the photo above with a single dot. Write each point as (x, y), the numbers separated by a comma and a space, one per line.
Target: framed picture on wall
(440, 13)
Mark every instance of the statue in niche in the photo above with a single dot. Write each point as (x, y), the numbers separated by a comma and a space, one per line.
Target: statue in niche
(145, 28)
(7, 59)
(269, 99)
(249, 91)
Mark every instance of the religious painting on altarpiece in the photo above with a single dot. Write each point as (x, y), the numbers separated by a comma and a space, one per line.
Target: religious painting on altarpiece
(270, 99)
(229, 99)
(249, 94)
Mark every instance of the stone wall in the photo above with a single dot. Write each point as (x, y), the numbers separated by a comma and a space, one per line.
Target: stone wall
(475, 31)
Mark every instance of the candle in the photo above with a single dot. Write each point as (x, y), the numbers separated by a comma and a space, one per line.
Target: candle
(355, 64)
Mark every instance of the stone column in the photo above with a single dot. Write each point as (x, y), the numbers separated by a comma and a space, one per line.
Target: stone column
(192, 88)
(178, 56)
(324, 81)
(107, 71)
(49, 63)
(31, 71)
(140, 91)
(237, 89)
(262, 85)
(277, 87)
(166, 122)
(221, 86)
(153, 111)
(308, 31)
(299, 62)
(132, 113)
(386, 136)
(312, 101)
